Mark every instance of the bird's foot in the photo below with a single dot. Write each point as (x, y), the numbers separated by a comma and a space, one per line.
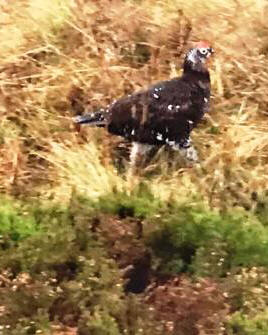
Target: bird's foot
(187, 151)
(189, 154)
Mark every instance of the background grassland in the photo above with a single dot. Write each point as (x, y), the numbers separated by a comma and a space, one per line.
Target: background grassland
(79, 234)
(108, 49)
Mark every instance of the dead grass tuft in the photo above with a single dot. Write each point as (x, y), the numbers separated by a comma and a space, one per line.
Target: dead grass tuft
(111, 48)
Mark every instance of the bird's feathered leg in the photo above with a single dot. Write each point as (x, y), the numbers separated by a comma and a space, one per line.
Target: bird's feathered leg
(138, 153)
(187, 150)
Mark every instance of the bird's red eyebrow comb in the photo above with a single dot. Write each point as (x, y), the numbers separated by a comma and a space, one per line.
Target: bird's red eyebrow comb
(202, 44)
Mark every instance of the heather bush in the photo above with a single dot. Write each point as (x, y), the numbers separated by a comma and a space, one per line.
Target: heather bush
(80, 263)
(248, 295)
(140, 203)
(207, 243)
(15, 222)
(64, 274)
(187, 307)
(243, 325)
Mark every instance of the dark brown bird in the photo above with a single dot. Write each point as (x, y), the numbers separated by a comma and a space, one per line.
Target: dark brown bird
(166, 113)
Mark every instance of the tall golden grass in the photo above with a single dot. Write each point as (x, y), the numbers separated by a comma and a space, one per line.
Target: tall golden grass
(109, 48)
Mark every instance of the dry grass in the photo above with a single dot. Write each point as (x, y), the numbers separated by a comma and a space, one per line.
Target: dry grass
(109, 48)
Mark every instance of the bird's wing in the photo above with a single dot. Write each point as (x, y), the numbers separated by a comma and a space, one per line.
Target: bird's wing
(156, 116)
(170, 98)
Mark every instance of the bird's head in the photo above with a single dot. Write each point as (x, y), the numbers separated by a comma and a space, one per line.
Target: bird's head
(198, 55)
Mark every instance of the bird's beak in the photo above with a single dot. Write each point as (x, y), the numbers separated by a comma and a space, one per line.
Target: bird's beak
(211, 50)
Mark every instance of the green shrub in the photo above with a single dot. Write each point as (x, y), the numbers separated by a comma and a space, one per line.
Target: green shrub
(247, 292)
(208, 243)
(64, 275)
(66, 268)
(240, 324)
(16, 222)
(100, 324)
(140, 204)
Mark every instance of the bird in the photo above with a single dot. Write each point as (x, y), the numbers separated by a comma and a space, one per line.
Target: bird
(164, 114)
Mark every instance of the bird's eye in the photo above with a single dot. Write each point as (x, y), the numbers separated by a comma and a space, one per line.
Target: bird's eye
(203, 51)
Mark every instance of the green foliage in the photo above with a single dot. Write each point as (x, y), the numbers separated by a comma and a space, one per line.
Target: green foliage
(100, 324)
(140, 204)
(15, 221)
(240, 324)
(248, 295)
(64, 269)
(207, 243)
(62, 274)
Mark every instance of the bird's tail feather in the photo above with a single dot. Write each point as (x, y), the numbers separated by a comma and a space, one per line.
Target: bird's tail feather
(93, 119)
